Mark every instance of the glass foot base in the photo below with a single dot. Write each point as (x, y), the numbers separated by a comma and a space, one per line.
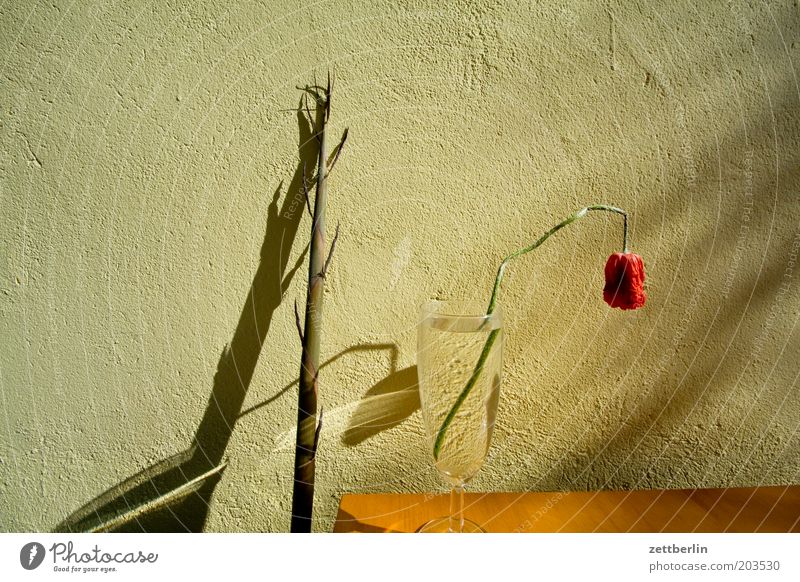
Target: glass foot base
(442, 525)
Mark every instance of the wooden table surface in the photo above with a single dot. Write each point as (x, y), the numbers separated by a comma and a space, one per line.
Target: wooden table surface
(749, 509)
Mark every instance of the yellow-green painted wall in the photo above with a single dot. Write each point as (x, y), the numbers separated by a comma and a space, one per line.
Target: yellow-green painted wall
(142, 145)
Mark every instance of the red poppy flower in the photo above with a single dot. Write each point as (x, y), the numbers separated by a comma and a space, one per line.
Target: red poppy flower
(624, 281)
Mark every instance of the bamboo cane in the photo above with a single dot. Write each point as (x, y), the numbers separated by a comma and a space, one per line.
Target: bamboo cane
(308, 426)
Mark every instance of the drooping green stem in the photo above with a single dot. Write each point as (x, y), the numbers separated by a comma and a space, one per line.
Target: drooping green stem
(487, 347)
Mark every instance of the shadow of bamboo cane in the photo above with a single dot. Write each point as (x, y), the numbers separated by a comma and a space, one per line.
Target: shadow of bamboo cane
(392, 348)
(385, 405)
(174, 494)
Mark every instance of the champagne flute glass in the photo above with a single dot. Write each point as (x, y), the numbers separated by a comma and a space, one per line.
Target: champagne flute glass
(451, 337)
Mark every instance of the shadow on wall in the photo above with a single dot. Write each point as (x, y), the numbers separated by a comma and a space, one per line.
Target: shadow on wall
(185, 482)
(712, 374)
(690, 379)
(385, 405)
(173, 495)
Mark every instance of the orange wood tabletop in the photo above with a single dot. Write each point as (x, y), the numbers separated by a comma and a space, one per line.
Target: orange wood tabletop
(745, 509)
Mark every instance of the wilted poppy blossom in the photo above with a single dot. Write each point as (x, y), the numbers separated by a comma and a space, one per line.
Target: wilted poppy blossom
(624, 281)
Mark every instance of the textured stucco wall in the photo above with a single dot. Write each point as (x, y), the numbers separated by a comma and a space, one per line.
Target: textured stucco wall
(142, 145)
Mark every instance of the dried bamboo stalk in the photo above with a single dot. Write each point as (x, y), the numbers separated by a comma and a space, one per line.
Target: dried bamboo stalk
(308, 426)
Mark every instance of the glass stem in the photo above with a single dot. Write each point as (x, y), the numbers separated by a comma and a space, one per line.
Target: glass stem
(457, 509)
